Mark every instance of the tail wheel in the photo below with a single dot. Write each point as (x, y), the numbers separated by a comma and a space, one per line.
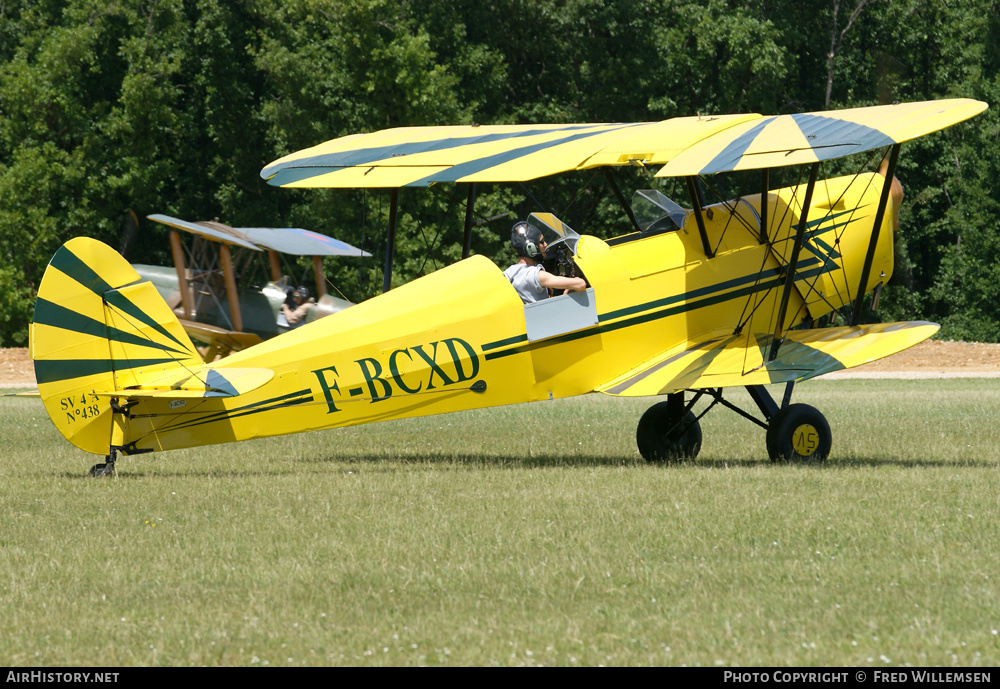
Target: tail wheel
(798, 433)
(664, 435)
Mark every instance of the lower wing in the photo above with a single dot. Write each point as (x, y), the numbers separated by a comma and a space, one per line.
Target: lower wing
(219, 340)
(717, 361)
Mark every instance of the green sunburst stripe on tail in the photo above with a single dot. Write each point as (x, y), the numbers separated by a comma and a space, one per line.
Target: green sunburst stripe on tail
(51, 314)
(70, 264)
(116, 299)
(55, 370)
(74, 267)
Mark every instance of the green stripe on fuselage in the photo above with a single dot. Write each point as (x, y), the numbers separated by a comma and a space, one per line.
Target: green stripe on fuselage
(646, 313)
(290, 399)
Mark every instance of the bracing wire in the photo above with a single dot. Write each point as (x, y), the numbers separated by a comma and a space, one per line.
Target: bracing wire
(114, 312)
(812, 284)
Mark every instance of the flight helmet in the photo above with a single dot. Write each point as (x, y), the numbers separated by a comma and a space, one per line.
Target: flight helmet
(526, 239)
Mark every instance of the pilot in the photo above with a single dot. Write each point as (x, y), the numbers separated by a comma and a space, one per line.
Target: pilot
(528, 276)
(301, 303)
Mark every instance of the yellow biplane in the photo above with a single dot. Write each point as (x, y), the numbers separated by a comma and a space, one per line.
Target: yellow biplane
(692, 301)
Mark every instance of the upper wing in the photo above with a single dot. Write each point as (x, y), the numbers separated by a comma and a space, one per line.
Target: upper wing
(287, 240)
(213, 231)
(299, 242)
(816, 136)
(727, 360)
(421, 156)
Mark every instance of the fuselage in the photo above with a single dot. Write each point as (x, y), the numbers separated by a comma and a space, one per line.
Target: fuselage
(461, 338)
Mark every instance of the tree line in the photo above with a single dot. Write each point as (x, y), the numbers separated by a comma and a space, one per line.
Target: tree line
(111, 110)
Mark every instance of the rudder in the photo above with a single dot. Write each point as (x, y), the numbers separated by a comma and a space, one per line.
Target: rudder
(97, 325)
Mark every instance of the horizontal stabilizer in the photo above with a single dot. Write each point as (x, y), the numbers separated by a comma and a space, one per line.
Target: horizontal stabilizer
(738, 360)
(201, 382)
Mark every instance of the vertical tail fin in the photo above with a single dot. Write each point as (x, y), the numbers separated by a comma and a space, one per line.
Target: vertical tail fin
(98, 325)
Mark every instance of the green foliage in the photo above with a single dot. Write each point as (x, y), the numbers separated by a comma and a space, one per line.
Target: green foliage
(108, 109)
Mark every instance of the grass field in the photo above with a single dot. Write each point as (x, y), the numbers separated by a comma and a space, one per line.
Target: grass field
(523, 535)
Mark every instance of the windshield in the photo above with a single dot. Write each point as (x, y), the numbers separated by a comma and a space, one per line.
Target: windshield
(555, 231)
(653, 208)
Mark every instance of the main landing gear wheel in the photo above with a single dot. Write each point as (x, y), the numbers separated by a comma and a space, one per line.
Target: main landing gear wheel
(664, 435)
(798, 433)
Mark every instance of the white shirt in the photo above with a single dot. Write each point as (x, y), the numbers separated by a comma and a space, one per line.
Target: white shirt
(524, 278)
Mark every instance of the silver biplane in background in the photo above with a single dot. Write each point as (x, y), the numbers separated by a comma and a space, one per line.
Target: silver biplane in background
(205, 290)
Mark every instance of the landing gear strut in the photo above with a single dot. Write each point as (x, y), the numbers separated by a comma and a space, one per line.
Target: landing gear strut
(670, 431)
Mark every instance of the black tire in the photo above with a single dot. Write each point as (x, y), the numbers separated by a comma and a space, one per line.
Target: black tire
(104, 469)
(664, 437)
(799, 433)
